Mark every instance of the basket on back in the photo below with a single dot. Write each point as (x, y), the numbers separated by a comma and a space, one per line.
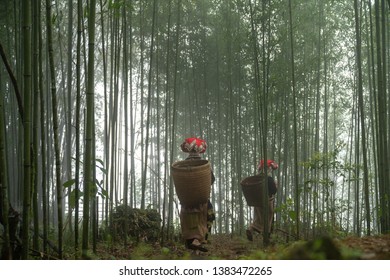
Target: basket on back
(252, 189)
(192, 179)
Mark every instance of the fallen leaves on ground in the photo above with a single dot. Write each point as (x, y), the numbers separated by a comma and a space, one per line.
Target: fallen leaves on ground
(370, 247)
(228, 247)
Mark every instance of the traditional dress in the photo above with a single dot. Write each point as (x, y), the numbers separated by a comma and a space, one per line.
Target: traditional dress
(195, 221)
(258, 223)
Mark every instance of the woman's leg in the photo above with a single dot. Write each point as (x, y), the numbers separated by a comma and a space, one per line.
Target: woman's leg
(193, 222)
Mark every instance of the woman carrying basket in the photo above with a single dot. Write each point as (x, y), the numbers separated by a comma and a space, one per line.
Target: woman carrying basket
(258, 224)
(196, 220)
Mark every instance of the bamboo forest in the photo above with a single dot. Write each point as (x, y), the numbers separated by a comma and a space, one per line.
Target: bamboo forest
(97, 99)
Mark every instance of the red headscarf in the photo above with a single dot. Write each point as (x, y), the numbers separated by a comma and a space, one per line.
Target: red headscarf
(193, 145)
(270, 164)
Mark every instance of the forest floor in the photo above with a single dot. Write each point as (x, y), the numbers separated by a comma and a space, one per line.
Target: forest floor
(226, 247)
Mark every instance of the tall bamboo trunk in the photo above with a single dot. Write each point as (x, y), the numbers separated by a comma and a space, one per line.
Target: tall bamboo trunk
(26, 10)
(89, 130)
(55, 127)
(362, 117)
(296, 178)
(6, 252)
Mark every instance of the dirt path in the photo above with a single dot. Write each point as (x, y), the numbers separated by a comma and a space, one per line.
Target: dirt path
(226, 247)
(363, 248)
(371, 247)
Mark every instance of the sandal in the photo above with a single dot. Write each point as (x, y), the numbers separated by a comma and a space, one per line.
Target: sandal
(196, 245)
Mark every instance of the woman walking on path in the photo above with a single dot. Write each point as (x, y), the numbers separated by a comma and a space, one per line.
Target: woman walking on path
(196, 220)
(257, 224)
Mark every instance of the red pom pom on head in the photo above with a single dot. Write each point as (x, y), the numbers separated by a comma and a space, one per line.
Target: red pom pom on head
(270, 164)
(194, 145)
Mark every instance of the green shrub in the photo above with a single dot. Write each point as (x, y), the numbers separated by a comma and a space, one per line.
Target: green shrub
(142, 224)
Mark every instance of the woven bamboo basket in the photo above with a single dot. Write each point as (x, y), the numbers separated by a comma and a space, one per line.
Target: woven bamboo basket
(192, 179)
(252, 189)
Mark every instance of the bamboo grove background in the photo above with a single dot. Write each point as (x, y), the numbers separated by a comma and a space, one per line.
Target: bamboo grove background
(97, 96)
